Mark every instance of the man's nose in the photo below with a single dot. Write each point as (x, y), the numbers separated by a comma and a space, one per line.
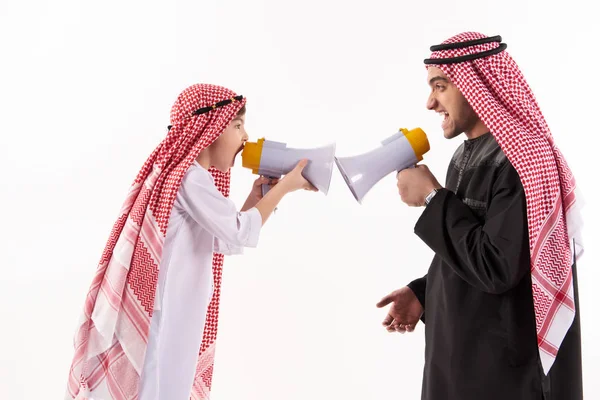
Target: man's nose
(431, 102)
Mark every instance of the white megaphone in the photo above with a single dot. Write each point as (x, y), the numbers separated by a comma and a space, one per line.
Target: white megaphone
(400, 151)
(274, 159)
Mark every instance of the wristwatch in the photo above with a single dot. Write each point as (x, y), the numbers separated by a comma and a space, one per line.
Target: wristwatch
(430, 196)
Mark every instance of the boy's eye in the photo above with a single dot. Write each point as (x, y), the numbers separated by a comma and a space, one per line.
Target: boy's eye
(238, 126)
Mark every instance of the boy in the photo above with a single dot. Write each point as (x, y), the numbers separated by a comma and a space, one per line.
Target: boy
(153, 306)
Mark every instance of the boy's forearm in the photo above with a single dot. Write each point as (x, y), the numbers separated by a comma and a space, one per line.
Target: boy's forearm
(248, 204)
(271, 199)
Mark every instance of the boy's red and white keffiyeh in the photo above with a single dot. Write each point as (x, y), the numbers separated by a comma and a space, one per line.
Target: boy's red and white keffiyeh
(111, 339)
(496, 89)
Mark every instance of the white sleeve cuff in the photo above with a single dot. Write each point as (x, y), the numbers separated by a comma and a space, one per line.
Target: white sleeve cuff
(254, 227)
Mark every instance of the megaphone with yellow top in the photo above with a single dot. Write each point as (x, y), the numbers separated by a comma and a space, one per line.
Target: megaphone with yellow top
(274, 159)
(400, 151)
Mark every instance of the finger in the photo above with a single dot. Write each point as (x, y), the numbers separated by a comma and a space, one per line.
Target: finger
(311, 187)
(301, 164)
(401, 328)
(387, 320)
(261, 181)
(385, 301)
(410, 328)
(398, 326)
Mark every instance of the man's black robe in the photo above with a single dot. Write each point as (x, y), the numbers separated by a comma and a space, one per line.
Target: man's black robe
(479, 318)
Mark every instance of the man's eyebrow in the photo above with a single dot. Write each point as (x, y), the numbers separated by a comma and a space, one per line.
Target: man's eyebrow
(437, 78)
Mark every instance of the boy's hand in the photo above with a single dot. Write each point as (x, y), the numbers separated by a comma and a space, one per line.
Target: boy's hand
(256, 193)
(291, 182)
(294, 180)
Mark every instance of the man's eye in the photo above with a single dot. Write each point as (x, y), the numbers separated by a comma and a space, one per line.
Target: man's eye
(238, 126)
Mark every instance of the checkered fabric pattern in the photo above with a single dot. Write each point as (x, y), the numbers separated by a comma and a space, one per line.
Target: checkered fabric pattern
(496, 89)
(112, 336)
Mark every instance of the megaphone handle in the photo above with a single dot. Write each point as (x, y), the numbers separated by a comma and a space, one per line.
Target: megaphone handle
(265, 189)
(265, 186)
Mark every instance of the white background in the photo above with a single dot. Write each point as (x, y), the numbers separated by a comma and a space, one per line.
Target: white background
(85, 93)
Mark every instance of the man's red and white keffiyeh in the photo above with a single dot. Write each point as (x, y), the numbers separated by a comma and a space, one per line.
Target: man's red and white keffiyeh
(495, 88)
(112, 335)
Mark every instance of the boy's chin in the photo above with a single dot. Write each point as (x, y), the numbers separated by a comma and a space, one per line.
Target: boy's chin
(223, 168)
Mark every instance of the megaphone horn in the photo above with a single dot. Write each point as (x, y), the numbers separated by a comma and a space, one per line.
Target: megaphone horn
(400, 151)
(274, 159)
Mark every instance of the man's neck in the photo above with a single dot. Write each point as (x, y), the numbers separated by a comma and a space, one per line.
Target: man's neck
(477, 130)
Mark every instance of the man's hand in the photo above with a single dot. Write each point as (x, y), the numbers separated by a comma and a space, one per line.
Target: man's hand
(414, 184)
(405, 311)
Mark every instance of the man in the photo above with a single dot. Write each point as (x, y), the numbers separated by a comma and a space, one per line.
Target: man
(499, 301)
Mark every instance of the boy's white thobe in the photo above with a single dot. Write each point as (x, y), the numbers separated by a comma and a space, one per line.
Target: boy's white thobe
(203, 221)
